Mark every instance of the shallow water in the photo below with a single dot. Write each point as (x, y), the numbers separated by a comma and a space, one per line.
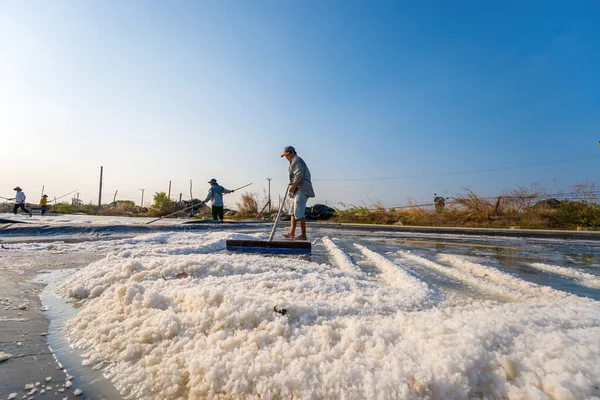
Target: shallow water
(59, 311)
(510, 255)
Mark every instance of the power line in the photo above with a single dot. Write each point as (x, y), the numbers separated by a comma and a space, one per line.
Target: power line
(459, 172)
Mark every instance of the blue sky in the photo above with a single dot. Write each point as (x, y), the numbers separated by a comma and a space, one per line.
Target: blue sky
(383, 100)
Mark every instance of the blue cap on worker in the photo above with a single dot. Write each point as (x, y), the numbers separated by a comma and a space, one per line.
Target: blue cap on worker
(287, 150)
(213, 180)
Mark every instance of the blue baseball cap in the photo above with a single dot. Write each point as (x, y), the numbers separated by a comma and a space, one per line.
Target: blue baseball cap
(288, 150)
(213, 180)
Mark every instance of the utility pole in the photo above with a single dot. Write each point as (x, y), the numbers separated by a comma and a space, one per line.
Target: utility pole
(180, 194)
(191, 197)
(115, 197)
(269, 179)
(100, 190)
(169, 195)
(142, 205)
(77, 199)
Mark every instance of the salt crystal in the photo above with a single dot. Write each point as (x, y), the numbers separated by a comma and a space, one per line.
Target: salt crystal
(29, 386)
(4, 356)
(12, 396)
(77, 392)
(68, 384)
(48, 379)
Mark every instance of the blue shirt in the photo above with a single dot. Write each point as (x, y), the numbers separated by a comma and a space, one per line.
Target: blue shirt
(215, 193)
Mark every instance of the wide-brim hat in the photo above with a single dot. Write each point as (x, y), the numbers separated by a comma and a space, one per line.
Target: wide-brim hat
(213, 180)
(45, 195)
(18, 188)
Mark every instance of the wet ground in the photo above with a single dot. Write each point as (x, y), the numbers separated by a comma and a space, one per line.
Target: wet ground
(26, 333)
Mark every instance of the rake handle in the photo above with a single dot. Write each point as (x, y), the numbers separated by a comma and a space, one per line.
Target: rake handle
(279, 214)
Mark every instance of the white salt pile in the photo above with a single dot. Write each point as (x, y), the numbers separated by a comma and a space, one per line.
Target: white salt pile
(246, 326)
(584, 278)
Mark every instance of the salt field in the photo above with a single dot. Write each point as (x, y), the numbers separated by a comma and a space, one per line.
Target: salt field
(172, 314)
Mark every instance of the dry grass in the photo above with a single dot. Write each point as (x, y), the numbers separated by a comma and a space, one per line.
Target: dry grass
(248, 204)
(522, 207)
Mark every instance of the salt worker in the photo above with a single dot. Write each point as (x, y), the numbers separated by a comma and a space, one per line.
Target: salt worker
(215, 193)
(300, 190)
(44, 204)
(20, 201)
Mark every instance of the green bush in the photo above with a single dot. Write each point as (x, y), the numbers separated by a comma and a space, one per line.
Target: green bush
(576, 213)
(163, 205)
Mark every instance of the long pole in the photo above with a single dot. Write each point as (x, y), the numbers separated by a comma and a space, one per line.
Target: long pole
(66, 194)
(42, 191)
(100, 190)
(191, 197)
(187, 208)
(269, 201)
(142, 204)
(241, 187)
(278, 214)
(169, 195)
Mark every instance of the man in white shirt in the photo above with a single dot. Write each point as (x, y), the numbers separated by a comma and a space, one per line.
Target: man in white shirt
(20, 201)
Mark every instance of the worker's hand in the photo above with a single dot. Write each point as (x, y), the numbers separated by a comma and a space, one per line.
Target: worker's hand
(232, 191)
(293, 189)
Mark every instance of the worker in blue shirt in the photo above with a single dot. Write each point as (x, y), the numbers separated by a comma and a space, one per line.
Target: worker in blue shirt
(215, 193)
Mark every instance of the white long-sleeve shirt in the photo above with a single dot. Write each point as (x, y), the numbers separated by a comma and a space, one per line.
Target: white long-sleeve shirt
(20, 198)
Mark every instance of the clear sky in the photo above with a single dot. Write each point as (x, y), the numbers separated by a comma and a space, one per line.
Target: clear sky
(383, 100)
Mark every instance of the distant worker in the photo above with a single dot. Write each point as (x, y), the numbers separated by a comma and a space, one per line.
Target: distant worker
(300, 190)
(44, 204)
(215, 193)
(439, 202)
(20, 201)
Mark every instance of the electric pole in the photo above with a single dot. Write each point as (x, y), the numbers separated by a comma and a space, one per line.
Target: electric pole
(142, 205)
(100, 190)
(115, 197)
(169, 195)
(269, 179)
(191, 197)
